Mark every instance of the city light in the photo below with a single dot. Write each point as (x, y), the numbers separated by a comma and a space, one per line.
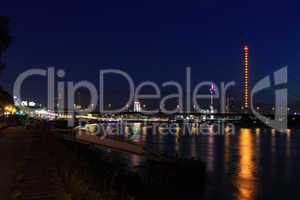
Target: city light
(10, 109)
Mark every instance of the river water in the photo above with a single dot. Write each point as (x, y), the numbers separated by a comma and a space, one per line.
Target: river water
(249, 163)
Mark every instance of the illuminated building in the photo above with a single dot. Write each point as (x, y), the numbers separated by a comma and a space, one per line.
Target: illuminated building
(137, 106)
(246, 81)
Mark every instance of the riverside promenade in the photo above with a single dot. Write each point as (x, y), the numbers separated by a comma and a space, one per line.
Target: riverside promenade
(27, 166)
(13, 144)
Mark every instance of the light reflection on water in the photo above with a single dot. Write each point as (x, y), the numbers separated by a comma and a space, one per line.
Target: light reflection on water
(254, 163)
(210, 153)
(246, 173)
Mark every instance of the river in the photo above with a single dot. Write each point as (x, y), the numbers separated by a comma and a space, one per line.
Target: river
(249, 163)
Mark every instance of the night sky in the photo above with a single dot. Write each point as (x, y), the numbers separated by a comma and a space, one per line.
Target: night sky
(153, 40)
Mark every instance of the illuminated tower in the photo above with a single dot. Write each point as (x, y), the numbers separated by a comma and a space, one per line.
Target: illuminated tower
(246, 81)
(212, 91)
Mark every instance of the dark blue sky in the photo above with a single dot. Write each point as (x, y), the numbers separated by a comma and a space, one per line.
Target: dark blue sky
(153, 40)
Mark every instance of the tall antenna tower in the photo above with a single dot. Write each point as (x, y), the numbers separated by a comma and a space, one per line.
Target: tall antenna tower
(246, 80)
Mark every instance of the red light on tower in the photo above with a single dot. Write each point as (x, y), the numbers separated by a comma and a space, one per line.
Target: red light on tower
(246, 81)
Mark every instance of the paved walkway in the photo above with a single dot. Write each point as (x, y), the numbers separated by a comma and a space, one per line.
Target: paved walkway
(37, 178)
(13, 144)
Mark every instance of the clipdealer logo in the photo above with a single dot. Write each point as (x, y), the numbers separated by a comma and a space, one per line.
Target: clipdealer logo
(280, 78)
(190, 97)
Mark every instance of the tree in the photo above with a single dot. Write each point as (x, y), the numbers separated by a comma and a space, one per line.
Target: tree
(5, 38)
(5, 41)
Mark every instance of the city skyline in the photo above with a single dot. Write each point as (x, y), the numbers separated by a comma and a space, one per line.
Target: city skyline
(232, 99)
(207, 36)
